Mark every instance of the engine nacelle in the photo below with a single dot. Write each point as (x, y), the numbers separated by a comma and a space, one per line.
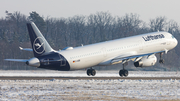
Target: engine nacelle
(146, 61)
(33, 62)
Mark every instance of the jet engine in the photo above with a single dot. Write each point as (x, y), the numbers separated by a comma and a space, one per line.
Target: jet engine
(146, 61)
(33, 62)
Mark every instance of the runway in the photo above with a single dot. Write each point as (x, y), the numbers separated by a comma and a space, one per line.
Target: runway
(88, 78)
(76, 85)
(81, 75)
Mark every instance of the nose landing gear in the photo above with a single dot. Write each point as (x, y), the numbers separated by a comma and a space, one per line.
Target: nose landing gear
(161, 60)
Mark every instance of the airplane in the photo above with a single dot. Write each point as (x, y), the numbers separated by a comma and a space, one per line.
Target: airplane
(140, 49)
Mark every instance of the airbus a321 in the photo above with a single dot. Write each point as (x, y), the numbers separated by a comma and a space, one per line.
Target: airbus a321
(140, 49)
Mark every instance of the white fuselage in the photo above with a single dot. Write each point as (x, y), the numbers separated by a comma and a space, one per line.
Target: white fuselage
(103, 53)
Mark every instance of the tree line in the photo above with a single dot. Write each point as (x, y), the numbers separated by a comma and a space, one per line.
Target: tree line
(77, 30)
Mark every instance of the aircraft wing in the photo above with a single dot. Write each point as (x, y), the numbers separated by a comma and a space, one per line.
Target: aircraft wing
(122, 59)
(17, 60)
(26, 49)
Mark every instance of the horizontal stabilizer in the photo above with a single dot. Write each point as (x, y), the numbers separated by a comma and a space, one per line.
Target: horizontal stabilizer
(26, 49)
(17, 60)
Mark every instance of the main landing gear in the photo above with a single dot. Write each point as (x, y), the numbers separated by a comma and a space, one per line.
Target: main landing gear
(124, 72)
(91, 72)
(161, 60)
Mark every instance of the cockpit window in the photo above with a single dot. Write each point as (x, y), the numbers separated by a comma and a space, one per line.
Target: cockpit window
(172, 36)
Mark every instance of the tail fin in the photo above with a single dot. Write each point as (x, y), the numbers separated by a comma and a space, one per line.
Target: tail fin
(39, 44)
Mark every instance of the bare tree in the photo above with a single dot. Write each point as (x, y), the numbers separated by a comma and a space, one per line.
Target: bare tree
(103, 20)
(172, 27)
(158, 24)
(77, 26)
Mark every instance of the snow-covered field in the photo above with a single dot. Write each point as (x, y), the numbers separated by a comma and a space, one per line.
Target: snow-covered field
(90, 89)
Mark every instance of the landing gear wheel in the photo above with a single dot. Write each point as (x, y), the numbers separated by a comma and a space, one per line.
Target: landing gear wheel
(91, 72)
(123, 73)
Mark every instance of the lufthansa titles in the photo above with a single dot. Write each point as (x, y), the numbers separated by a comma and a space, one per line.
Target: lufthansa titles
(153, 37)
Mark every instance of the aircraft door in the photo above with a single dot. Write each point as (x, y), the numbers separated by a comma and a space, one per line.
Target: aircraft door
(62, 61)
(45, 61)
(104, 52)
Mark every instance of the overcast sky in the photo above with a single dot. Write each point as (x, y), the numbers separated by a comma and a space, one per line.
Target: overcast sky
(146, 9)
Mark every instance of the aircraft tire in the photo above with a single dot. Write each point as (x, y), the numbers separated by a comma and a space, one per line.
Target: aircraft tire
(89, 72)
(125, 73)
(93, 72)
(121, 73)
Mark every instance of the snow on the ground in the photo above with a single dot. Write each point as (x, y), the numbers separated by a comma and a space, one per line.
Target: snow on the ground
(91, 89)
(49, 73)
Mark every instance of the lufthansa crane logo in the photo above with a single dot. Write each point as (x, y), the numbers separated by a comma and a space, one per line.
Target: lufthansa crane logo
(38, 45)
